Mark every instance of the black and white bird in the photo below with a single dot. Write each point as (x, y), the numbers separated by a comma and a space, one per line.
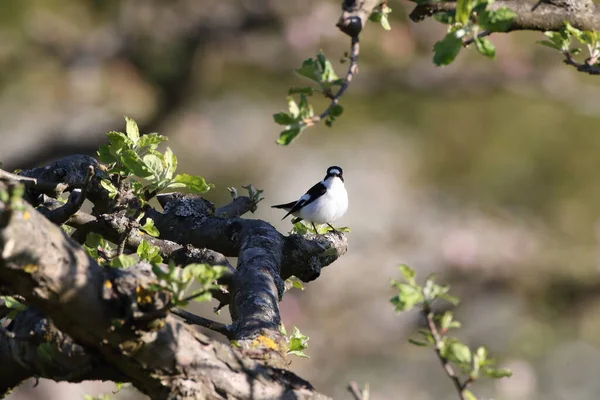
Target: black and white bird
(324, 203)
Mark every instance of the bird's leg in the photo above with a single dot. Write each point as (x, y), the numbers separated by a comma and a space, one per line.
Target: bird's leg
(332, 228)
(316, 231)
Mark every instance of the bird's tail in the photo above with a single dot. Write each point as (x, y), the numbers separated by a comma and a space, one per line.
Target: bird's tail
(285, 206)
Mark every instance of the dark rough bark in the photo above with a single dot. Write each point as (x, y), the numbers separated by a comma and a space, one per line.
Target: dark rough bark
(32, 346)
(100, 310)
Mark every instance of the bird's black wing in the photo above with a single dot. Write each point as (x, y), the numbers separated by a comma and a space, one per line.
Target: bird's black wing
(313, 193)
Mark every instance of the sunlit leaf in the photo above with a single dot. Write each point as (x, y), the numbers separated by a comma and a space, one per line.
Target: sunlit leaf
(131, 127)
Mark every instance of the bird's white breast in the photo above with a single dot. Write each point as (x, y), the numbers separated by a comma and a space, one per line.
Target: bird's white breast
(328, 207)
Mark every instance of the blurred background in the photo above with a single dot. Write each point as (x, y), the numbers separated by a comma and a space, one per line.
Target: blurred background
(484, 172)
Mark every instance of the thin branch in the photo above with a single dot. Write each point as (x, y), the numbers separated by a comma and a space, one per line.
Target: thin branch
(460, 387)
(481, 34)
(48, 187)
(194, 319)
(587, 67)
(239, 206)
(335, 99)
(355, 391)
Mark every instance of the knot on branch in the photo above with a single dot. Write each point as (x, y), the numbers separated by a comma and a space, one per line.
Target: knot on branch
(355, 15)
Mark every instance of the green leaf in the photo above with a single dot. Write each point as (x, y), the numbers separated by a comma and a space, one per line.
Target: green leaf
(482, 353)
(380, 15)
(427, 336)
(497, 372)
(309, 70)
(298, 343)
(118, 142)
(287, 136)
(327, 73)
(485, 47)
(576, 33)
(446, 17)
(459, 352)
(408, 296)
(151, 141)
(446, 320)
(560, 39)
(499, 20)
(131, 127)
(449, 298)
(463, 11)
(154, 163)
(133, 162)
(204, 297)
(108, 186)
(294, 282)
(123, 261)
(11, 302)
(469, 395)
(196, 184)
(446, 50)
(548, 43)
(149, 228)
(148, 252)
(204, 274)
(408, 273)
(104, 155)
(418, 343)
(305, 109)
(170, 164)
(283, 118)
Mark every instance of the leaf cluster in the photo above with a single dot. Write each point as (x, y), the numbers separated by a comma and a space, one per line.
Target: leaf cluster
(380, 15)
(297, 342)
(450, 350)
(178, 281)
(302, 228)
(135, 156)
(471, 19)
(320, 72)
(563, 40)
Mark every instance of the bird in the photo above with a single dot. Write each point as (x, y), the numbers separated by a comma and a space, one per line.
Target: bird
(323, 203)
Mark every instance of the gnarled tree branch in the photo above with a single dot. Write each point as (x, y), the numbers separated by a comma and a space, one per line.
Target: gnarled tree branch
(97, 307)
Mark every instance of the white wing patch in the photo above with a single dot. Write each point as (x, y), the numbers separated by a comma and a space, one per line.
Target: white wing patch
(305, 197)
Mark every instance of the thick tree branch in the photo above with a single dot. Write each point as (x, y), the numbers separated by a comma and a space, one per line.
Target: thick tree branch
(32, 346)
(264, 257)
(530, 15)
(97, 307)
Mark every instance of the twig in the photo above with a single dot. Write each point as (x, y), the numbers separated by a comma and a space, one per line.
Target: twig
(479, 35)
(194, 319)
(335, 99)
(460, 387)
(60, 215)
(355, 391)
(588, 67)
(44, 186)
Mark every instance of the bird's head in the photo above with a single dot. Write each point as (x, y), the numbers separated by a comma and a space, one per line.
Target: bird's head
(335, 171)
